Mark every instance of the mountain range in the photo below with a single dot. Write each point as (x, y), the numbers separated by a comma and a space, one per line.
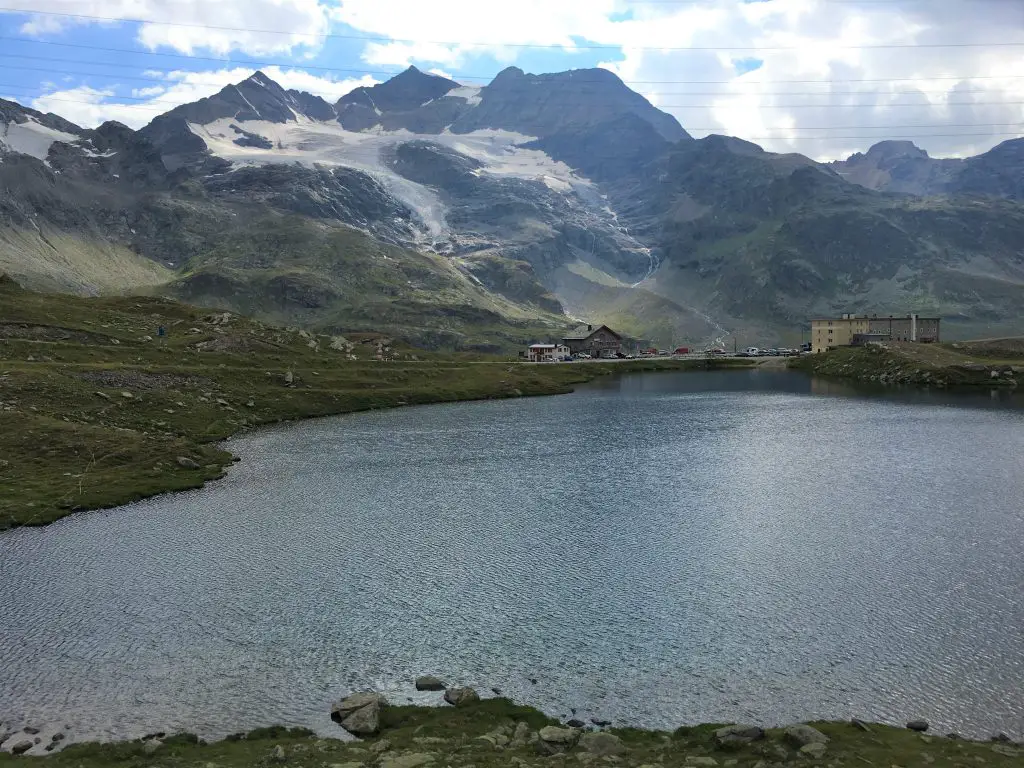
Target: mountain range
(484, 216)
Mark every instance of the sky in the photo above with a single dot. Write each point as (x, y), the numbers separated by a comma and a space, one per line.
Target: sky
(825, 78)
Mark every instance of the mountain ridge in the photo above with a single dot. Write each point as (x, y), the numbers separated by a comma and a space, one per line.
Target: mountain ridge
(531, 195)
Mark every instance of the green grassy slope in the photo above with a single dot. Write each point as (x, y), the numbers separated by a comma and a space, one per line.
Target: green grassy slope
(96, 409)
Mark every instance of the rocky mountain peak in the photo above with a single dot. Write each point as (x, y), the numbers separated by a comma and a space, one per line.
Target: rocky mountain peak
(553, 104)
(890, 150)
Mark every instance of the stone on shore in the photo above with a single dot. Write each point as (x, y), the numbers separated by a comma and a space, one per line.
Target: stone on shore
(408, 760)
(429, 683)
(359, 714)
(815, 749)
(738, 735)
(918, 725)
(601, 744)
(21, 747)
(554, 739)
(801, 735)
(460, 697)
(186, 463)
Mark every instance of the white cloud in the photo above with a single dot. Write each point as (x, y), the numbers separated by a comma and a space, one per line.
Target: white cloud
(796, 39)
(193, 25)
(89, 107)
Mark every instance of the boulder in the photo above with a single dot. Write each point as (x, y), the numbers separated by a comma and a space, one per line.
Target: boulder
(918, 725)
(521, 735)
(380, 746)
(186, 463)
(554, 739)
(736, 735)
(601, 744)
(359, 714)
(21, 747)
(277, 755)
(815, 750)
(575, 723)
(703, 762)
(429, 683)
(801, 735)
(460, 697)
(860, 725)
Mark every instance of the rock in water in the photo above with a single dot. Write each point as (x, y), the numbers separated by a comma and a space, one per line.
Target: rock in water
(736, 735)
(802, 735)
(575, 723)
(429, 683)
(359, 714)
(601, 744)
(460, 697)
(21, 747)
(918, 725)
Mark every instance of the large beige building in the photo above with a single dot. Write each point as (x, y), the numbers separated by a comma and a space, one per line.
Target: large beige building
(848, 330)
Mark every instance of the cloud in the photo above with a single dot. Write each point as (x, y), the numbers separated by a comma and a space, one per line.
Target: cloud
(194, 25)
(715, 87)
(89, 107)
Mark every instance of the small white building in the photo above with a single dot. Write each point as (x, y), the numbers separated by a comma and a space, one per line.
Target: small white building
(547, 353)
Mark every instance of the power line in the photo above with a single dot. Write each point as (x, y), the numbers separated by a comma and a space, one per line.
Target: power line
(172, 104)
(463, 76)
(546, 46)
(659, 93)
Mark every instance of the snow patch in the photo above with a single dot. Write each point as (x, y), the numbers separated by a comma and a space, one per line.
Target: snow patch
(312, 143)
(471, 93)
(32, 138)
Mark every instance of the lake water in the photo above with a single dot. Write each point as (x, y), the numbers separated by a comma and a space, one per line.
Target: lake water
(656, 550)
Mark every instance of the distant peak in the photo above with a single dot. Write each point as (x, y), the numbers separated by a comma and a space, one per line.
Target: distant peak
(260, 79)
(893, 148)
(413, 70)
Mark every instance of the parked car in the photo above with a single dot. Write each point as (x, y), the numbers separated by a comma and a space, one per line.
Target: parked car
(753, 352)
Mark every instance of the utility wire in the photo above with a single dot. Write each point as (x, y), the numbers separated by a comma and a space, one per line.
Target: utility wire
(659, 92)
(488, 78)
(545, 46)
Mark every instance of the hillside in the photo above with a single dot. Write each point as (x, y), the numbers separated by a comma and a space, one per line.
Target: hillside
(480, 217)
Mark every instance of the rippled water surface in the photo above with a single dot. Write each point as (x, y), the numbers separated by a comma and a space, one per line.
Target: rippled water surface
(656, 550)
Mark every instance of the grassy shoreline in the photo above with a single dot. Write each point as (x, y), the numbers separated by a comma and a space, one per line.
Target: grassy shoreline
(497, 732)
(962, 365)
(98, 410)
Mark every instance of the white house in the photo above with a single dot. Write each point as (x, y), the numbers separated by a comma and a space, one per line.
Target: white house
(547, 353)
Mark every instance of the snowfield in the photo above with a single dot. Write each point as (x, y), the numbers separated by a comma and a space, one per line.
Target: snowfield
(312, 143)
(32, 138)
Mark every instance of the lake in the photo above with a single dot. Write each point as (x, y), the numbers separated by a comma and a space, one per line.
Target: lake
(655, 550)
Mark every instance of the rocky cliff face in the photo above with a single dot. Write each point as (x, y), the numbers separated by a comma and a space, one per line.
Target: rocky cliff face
(528, 196)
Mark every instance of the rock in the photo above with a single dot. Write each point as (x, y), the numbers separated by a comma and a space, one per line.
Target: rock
(1003, 737)
(289, 378)
(429, 683)
(521, 735)
(815, 749)
(21, 747)
(150, 747)
(30, 730)
(554, 739)
(918, 725)
(277, 755)
(104, 395)
(460, 697)
(860, 724)
(576, 723)
(736, 735)
(496, 691)
(801, 735)
(352, 764)
(380, 746)
(1006, 750)
(127, 395)
(359, 714)
(186, 463)
(408, 760)
(701, 761)
(58, 737)
(600, 723)
(601, 744)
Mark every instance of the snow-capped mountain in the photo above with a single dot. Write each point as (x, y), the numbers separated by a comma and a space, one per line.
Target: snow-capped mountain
(534, 199)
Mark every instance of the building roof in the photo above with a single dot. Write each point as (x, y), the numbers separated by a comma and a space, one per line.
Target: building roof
(869, 317)
(586, 331)
(544, 346)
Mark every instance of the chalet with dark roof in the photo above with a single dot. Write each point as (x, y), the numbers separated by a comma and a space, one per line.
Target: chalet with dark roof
(596, 341)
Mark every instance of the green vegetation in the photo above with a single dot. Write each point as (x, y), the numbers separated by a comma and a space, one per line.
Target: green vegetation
(96, 409)
(992, 364)
(496, 732)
